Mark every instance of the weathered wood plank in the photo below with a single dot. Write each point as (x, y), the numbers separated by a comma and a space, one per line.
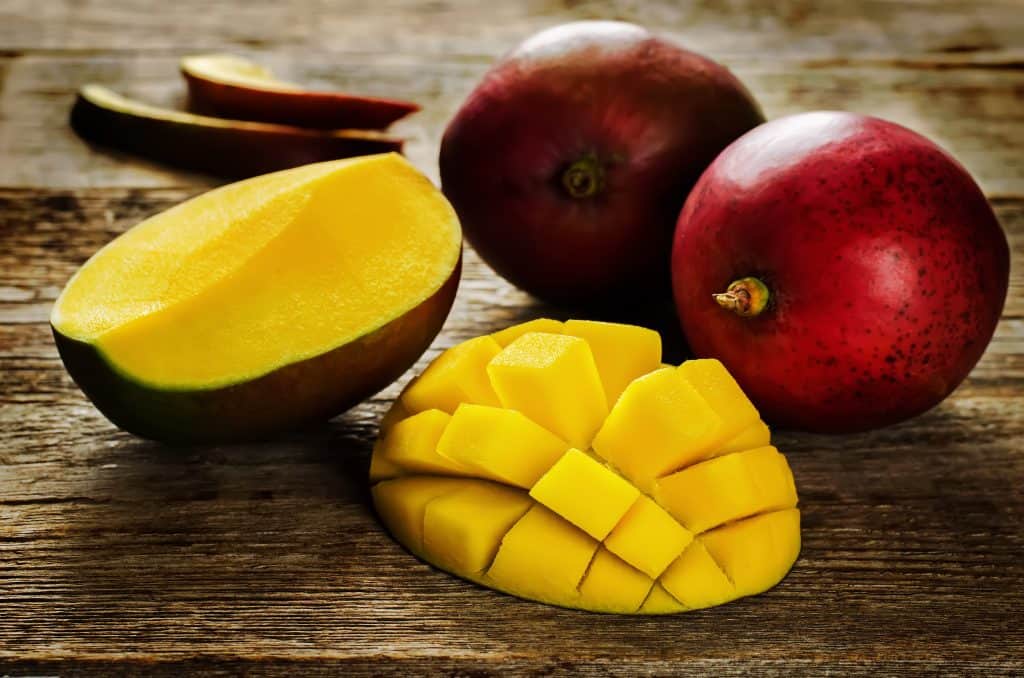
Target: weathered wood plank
(973, 112)
(468, 27)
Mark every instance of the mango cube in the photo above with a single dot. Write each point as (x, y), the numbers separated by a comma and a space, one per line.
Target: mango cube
(753, 436)
(611, 585)
(563, 463)
(696, 580)
(553, 380)
(586, 493)
(714, 383)
(382, 468)
(622, 352)
(659, 424)
(510, 334)
(728, 488)
(757, 552)
(462, 530)
(660, 601)
(542, 557)
(500, 444)
(648, 538)
(456, 376)
(411, 444)
(401, 503)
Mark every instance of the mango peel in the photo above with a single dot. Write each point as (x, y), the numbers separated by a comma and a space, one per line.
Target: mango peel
(564, 463)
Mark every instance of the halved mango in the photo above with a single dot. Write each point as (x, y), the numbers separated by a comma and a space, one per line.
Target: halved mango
(668, 511)
(263, 304)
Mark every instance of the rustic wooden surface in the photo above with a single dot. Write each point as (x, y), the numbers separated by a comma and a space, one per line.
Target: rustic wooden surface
(122, 556)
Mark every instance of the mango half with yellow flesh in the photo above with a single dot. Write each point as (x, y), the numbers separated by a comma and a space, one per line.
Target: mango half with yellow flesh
(562, 462)
(263, 304)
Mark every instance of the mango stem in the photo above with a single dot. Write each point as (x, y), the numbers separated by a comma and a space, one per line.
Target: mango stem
(746, 297)
(584, 178)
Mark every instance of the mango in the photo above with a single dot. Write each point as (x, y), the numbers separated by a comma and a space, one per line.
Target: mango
(265, 304)
(665, 498)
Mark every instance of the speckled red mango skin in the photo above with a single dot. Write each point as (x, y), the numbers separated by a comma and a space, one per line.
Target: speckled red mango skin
(887, 267)
(656, 115)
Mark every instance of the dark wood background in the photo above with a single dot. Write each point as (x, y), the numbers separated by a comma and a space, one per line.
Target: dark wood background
(121, 556)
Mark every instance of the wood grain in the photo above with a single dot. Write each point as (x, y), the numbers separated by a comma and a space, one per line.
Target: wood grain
(123, 557)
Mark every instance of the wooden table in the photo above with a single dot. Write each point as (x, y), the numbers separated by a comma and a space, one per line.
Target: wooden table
(119, 555)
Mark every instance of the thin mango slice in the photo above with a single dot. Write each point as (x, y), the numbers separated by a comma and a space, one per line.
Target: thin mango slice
(665, 498)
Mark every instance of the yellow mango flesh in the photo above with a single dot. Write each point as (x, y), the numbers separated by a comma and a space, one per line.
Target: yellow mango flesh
(648, 538)
(552, 379)
(457, 376)
(728, 488)
(542, 557)
(412, 445)
(668, 511)
(462, 530)
(586, 493)
(480, 438)
(621, 352)
(264, 273)
(509, 334)
(611, 585)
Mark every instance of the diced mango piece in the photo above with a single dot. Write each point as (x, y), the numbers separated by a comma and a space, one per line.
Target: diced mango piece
(659, 424)
(660, 601)
(396, 413)
(714, 383)
(610, 585)
(500, 444)
(586, 493)
(754, 436)
(542, 557)
(696, 580)
(510, 334)
(382, 468)
(553, 380)
(622, 352)
(462, 530)
(411, 444)
(401, 503)
(457, 376)
(648, 538)
(757, 552)
(728, 488)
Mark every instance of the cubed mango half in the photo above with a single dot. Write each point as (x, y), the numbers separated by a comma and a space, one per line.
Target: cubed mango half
(561, 462)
